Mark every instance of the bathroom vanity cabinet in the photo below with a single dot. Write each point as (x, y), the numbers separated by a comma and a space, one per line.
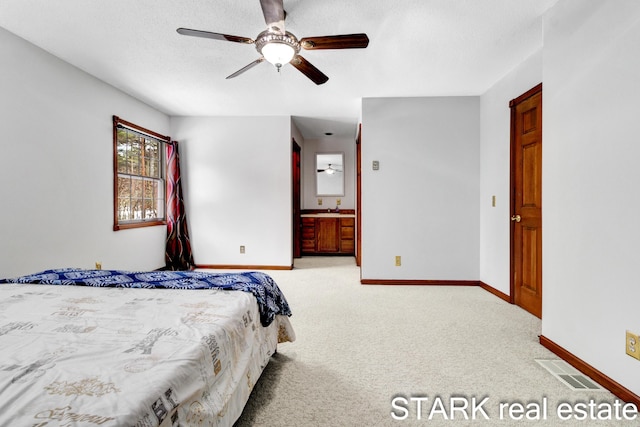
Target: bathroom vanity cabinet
(325, 234)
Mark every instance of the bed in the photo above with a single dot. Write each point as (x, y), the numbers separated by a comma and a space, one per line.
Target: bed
(114, 348)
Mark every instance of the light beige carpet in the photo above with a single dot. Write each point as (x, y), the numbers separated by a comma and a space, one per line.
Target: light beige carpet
(359, 347)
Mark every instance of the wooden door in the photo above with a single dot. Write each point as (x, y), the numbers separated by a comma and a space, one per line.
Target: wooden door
(297, 223)
(526, 203)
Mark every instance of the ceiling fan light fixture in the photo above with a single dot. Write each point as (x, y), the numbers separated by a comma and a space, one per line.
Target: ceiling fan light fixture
(278, 53)
(278, 49)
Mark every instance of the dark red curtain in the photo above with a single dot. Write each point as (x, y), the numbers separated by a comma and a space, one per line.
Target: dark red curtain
(178, 255)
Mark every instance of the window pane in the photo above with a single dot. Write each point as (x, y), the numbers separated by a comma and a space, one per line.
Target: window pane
(149, 199)
(153, 170)
(136, 198)
(121, 150)
(158, 188)
(134, 156)
(124, 209)
(124, 186)
(136, 208)
(149, 209)
(150, 159)
(136, 188)
(154, 198)
(124, 198)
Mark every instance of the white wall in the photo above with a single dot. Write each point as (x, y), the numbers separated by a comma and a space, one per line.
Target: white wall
(495, 137)
(57, 167)
(423, 202)
(237, 185)
(590, 182)
(329, 145)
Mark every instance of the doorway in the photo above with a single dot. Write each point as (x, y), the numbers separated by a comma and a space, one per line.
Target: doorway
(526, 200)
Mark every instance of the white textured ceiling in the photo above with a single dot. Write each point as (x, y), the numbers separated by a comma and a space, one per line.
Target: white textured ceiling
(417, 48)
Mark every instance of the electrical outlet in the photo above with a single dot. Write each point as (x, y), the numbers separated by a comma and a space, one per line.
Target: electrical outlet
(632, 345)
(241, 249)
(398, 260)
(319, 202)
(338, 202)
(98, 265)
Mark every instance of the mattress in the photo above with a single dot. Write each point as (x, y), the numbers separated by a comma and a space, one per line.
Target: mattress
(94, 356)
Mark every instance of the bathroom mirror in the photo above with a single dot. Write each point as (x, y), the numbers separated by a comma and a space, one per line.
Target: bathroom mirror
(330, 174)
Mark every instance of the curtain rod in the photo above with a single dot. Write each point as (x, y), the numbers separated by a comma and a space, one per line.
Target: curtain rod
(123, 124)
(164, 141)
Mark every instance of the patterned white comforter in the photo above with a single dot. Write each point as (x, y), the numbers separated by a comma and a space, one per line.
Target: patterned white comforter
(85, 356)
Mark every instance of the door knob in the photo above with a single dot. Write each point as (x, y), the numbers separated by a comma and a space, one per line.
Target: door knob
(516, 218)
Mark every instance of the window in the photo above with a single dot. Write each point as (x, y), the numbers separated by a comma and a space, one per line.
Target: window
(139, 185)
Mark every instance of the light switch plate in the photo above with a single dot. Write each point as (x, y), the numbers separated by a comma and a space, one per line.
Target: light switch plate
(632, 345)
(375, 165)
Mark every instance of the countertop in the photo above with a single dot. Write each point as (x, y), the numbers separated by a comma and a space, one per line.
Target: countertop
(327, 215)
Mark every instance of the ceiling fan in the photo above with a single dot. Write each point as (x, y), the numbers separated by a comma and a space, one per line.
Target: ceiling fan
(280, 47)
(330, 170)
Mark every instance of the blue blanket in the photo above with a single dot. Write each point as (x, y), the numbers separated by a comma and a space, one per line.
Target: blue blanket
(271, 301)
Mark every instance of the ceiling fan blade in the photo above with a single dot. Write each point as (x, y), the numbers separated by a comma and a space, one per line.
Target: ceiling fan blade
(309, 70)
(246, 67)
(215, 36)
(344, 41)
(274, 15)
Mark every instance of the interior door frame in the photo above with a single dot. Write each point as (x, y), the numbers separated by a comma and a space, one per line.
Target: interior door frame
(512, 186)
(296, 152)
(359, 196)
